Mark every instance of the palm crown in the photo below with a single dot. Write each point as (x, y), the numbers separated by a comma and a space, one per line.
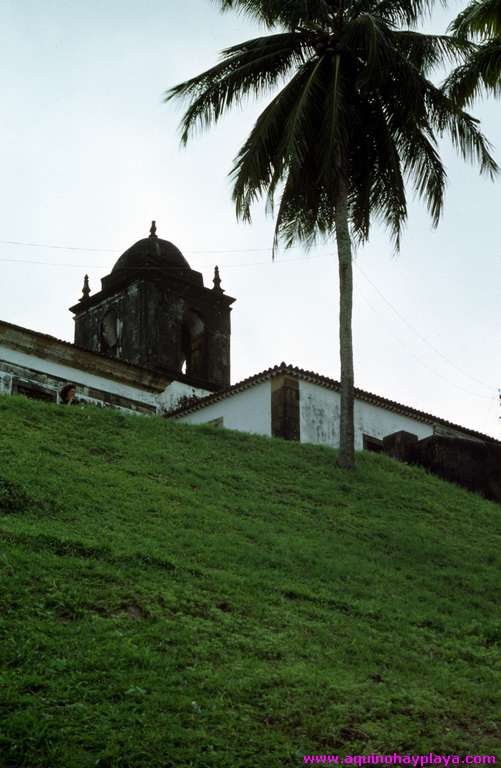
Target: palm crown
(353, 116)
(355, 111)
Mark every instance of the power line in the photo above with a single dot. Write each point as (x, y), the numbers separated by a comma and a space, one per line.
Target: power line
(248, 264)
(269, 262)
(487, 420)
(433, 371)
(425, 340)
(61, 247)
(111, 250)
(114, 250)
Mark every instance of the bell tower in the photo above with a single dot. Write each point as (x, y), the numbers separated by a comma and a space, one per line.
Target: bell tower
(154, 311)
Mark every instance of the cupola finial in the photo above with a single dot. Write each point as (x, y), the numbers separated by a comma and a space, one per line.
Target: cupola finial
(153, 229)
(85, 289)
(217, 281)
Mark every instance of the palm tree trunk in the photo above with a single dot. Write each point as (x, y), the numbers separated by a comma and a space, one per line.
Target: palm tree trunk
(347, 430)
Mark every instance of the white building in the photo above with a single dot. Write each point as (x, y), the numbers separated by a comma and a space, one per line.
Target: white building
(289, 402)
(39, 366)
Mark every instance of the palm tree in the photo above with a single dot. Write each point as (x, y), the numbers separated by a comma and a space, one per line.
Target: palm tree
(355, 115)
(481, 19)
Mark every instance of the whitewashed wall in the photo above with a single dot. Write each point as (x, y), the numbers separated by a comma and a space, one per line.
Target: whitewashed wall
(5, 383)
(247, 411)
(75, 375)
(319, 418)
(171, 395)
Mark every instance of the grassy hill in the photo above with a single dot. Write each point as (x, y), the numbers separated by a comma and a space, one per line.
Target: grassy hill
(187, 596)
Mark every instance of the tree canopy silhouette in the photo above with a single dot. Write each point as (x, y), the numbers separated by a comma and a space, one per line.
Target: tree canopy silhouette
(481, 72)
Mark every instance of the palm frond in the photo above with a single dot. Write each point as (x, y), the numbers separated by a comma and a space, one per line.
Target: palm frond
(426, 52)
(481, 73)
(480, 17)
(288, 13)
(279, 138)
(425, 169)
(459, 27)
(377, 184)
(396, 12)
(333, 138)
(366, 37)
(250, 68)
(462, 129)
(305, 213)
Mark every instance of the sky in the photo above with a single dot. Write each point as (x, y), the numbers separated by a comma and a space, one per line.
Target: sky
(90, 155)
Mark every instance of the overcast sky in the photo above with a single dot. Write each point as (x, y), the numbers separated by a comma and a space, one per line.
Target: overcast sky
(90, 155)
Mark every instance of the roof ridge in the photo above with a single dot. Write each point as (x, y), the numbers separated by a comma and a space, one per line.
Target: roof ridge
(370, 397)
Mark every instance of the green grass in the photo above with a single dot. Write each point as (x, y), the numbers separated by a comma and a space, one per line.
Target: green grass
(189, 596)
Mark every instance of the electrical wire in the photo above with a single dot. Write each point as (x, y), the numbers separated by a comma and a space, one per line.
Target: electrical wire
(114, 250)
(488, 418)
(175, 269)
(60, 247)
(425, 340)
(423, 363)
(268, 262)
(110, 250)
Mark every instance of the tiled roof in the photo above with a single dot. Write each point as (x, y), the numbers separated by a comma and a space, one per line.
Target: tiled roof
(324, 381)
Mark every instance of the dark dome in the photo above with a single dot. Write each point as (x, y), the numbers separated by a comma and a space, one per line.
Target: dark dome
(152, 253)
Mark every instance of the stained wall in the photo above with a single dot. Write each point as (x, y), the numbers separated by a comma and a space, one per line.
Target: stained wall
(320, 416)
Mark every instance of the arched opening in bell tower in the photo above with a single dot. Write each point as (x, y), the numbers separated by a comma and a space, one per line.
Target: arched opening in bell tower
(109, 332)
(193, 344)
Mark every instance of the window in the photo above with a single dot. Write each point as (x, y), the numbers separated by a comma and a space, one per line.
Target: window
(33, 391)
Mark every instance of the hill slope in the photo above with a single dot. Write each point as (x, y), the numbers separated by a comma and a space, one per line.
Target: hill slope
(186, 596)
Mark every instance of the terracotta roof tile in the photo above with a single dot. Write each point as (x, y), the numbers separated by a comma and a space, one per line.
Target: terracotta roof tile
(324, 381)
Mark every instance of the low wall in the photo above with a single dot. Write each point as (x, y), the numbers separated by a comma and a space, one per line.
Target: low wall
(472, 464)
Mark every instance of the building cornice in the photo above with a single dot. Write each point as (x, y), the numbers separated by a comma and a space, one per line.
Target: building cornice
(65, 353)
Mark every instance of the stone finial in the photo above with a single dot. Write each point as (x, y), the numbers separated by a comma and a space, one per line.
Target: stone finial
(153, 229)
(85, 289)
(217, 281)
